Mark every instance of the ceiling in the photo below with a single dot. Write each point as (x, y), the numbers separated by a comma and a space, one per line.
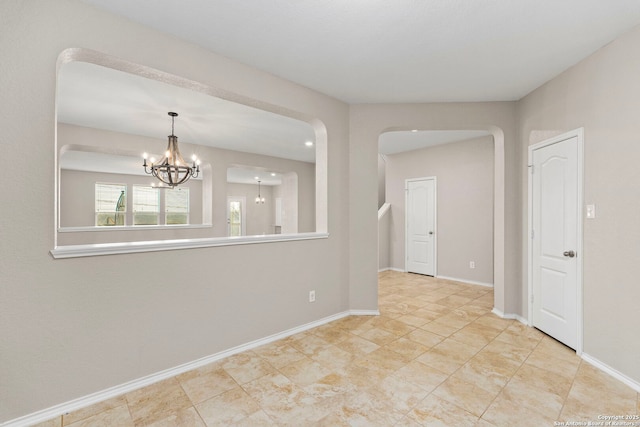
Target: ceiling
(396, 51)
(400, 141)
(248, 175)
(94, 96)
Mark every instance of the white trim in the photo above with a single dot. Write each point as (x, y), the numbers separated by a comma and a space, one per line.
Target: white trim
(391, 269)
(74, 251)
(579, 135)
(243, 214)
(510, 316)
(363, 313)
(131, 228)
(435, 221)
(470, 282)
(384, 209)
(81, 402)
(613, 372)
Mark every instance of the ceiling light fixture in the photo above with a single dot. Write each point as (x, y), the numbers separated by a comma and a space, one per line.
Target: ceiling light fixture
(259, 199)
(308, 143)
(172, 169)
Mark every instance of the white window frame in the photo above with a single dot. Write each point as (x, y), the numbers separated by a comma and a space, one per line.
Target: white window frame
(114, 212)
(165, 206)
(135, 187)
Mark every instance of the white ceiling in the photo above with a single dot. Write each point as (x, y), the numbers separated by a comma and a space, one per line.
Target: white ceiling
(99, 97)
(396, 51)
(249, 175)
(400, 141)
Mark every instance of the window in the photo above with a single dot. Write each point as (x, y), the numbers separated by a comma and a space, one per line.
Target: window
(146, 205)
(176, 202)
(111, 204)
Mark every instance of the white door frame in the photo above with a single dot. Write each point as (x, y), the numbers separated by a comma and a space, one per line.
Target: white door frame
(243, 213)
(579, 135)
(435, 222)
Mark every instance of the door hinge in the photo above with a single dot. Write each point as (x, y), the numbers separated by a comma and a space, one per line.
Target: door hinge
(533, 234)
(532, 168)
(532, 298)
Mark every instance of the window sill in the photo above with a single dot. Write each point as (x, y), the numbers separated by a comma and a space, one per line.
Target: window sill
(76, 251)
(131, 228)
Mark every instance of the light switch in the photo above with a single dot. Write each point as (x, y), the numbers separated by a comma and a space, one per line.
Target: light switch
(591, 211)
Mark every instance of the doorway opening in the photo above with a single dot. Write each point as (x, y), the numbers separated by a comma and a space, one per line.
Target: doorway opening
(464, 165)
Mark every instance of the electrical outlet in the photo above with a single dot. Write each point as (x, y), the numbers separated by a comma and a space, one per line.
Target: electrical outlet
(312, 296)
(472, 264)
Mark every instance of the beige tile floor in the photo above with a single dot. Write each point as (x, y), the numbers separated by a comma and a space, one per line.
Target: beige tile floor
(435, 356)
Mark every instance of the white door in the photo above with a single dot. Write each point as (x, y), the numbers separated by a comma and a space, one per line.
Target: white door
(421, 226)
(236, 216)
(555, 227)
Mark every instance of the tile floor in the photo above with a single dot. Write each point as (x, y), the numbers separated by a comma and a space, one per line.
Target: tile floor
(435, 356)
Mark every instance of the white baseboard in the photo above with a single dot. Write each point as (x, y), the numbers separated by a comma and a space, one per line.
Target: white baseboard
(75, 404)
(470, 282)
(513, 316)
(364, 313)
(611, 371)
(391, 269)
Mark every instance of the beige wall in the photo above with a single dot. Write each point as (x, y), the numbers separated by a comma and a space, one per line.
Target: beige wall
(260, 217)
(77, 196)
(601, 94)
(72, 327)
(77, 326)
(464, 176)
(382, 180)
(214, 170)
(366, 124)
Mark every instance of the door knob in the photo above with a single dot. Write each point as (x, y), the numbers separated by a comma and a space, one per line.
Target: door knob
(570, 254)
(431, 232)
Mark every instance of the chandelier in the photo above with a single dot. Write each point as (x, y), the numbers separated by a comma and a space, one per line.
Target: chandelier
(259, 199)
(172, 169)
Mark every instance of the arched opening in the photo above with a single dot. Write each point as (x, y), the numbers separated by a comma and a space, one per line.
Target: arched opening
(496, 243)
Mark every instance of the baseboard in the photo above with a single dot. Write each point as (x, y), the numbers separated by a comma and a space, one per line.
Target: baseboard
(589, 359)
(364, 313)
(512, 316)
(73, 405)
(391, 269)
(611, 371)
(467, 281)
